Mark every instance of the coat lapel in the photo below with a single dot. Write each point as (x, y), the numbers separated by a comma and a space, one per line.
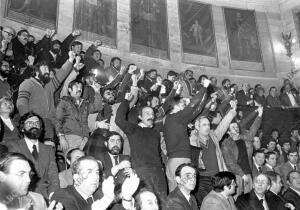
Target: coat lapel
(25, 150)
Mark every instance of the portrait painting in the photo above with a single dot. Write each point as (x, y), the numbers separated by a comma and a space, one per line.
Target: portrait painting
(297, 22)
(149, 29)
(242, 35)
(196, 25)
(97, 20)
(35, 12)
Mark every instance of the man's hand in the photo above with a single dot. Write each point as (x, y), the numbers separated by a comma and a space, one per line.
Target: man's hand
(108, 187)
(124, 164)
(128, 96)
(63, 143)
(206, 83)
(50, 33)
(72, 56)
(97, 43)
(76, 33)
(102, 124)
(233, 104)
(30, 60)
(4, 44)
(134, 79)
(129, 186)
(78, 66)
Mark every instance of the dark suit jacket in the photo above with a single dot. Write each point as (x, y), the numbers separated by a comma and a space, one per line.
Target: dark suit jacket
(255, 170)
(46, 180)
(250, 201)
(107, 163)
(6, 134)
(284, 169)
(276, 201)
(242, 98)
(292, 197)
(177, 201)
(285, 100)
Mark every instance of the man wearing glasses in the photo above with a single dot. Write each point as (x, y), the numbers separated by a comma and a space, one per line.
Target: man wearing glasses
(40, 155)
(6, 36)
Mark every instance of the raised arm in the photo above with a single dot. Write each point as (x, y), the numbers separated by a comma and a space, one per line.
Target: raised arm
(224, 124)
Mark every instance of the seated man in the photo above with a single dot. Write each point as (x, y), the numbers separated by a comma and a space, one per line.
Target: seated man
(291, 165)
(271, 162)
(40, 155)
(221, 196)
(81, 195)
(276, 201)
(258, 161)
(112, 160)
(15, 177)
(255, 199)
(292, 195)
(181, 198)
(66, 177)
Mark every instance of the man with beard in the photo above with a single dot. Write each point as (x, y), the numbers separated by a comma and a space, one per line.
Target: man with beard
(71, 117)
(15, 177)
(57, 55)
(36, 93)
(181, 197)
(112, 160)
(144, 143)
(19, 47)
(40, 155)
(5, 89)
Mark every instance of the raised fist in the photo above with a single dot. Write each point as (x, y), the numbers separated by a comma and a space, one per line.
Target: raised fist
(76, 33)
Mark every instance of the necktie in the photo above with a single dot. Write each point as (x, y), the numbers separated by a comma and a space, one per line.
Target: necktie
(35, 152)
(89, 200)
(264, 203)
(259, 169)
(295, 168)
(116, 159)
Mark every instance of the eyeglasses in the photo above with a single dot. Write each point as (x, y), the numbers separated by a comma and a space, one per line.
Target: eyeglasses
(33, 123)
(9, 34)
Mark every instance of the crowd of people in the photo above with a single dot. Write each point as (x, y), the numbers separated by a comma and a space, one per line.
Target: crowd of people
(77, 133)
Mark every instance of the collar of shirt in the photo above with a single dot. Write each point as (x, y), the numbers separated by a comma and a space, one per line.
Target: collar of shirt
(187, 196)
(113, 159)
(142, 125)
(293, 165)
(260, 197)
(269, 166)
(30, 144)
(53, 55)
(3, 79)
(257, 166)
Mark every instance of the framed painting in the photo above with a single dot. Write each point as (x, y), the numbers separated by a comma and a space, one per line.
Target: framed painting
(197, 31)
(149, 28)
(40, 13)
(97, 19)
(296, 14)
(243, 39)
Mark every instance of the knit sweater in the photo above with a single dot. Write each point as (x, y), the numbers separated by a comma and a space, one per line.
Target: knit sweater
(144, 142)
(175, 128)
(33, 96)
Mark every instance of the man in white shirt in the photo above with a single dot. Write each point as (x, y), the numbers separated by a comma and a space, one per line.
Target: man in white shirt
(271, 162)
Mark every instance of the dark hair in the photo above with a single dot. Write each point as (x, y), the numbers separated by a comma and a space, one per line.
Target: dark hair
(224, 81)
(4, 60)
(74, 82)
(6, 160)
(202, 76)
(97, 51)
(171, 73)
(294, 129)
(222, 179)
(275, 129)
(268, 154)
(55, 42)
(181, 166)
(3, 150)
(109, 134)
(26, 117)
(37, 66)
(272, 175)
(75, 43)
(271, 88)
(113, 60)
(21, 31)
(261, 151)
